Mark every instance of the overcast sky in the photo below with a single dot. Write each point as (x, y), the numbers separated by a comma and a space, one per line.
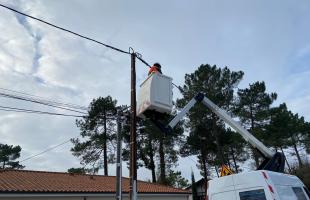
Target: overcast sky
(268, 40)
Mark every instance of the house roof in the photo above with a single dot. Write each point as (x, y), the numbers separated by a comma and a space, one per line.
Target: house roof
(25, 181)
(197, 183)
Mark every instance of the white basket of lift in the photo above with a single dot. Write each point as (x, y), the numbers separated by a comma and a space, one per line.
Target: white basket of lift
(155, 94)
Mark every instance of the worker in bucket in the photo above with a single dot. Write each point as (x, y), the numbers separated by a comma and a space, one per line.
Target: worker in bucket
(156, 68)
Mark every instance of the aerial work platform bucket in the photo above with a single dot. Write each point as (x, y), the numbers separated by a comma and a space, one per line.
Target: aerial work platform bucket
(155, 94)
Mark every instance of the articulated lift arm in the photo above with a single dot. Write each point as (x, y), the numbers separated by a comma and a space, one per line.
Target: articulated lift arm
(274, 161)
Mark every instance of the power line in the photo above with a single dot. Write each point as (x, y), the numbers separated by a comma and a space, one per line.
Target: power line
(63, 29)
(47, 100)
(46, 150)
(14, 109)
(139, 56)
(39, 102)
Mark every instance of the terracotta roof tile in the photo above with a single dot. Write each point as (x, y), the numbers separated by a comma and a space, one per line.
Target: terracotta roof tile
(40, 181)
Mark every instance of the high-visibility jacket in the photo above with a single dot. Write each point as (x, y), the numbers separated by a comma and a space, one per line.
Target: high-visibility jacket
(154, 69)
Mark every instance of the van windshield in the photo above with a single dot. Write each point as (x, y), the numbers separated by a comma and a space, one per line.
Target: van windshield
(252, 195)
(290, 193)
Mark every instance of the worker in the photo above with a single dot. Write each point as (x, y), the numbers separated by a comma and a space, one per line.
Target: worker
(156, 68)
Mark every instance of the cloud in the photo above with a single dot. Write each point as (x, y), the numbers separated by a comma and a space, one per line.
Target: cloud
(267, 40)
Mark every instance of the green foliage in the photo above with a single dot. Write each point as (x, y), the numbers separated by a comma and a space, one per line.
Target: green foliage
(8, 155)
(277, 131)
(147, 145)
(80, 170)
(302, 172)
(175, 179)
(298, 134)
(208, 137)
(234, 149)
(206, 131)
(253, 108)
(83, 170)
(306, 139)
(155, 150)
(98, 133)
(287, 129)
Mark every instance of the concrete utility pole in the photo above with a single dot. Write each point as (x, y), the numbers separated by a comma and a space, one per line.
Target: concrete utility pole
(133, 132)
(119, 157)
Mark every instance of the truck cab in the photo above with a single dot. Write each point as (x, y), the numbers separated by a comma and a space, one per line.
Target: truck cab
(257, 185)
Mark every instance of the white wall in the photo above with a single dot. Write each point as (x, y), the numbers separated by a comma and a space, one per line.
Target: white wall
(141, 197)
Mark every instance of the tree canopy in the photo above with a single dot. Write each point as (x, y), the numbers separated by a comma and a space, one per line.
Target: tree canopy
(97, 130)
(202, 133)
(8, 156)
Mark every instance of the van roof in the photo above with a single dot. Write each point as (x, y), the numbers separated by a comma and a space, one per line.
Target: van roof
(251, 179)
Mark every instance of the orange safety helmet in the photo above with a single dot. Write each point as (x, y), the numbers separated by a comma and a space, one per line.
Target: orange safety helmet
(155, 68)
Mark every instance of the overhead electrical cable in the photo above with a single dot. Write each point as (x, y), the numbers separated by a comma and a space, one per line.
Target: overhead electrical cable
(46, 100)
(63, 29)
(46, 150)
(22, 110)
(139, 56)
(14, 109)
(39, 102)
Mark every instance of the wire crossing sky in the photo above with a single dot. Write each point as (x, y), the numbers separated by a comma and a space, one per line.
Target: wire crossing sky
(268, 40)
(139, 56)
(63, 29)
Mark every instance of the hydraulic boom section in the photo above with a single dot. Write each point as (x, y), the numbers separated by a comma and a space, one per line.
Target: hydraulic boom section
(274, 161)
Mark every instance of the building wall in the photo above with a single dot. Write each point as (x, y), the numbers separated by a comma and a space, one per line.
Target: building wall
(141, 197)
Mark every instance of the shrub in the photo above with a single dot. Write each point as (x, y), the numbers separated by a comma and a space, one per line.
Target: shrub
(303, 173)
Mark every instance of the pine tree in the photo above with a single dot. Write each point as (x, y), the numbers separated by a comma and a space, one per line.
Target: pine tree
(98, 133)
(8, 155)
(147, 145)
(287, 129)
(234, 148)
(253, 108)
(205, 128)
(297, 134)
(175, 179)
(277, 132)
(153, 146)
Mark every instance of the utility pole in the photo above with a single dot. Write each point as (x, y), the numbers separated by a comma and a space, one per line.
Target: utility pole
(119, 157)
(133, 132)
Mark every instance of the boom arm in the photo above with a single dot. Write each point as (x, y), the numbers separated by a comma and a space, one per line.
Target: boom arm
(274, 161)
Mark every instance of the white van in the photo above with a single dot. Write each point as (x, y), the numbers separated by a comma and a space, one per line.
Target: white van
(257, 185)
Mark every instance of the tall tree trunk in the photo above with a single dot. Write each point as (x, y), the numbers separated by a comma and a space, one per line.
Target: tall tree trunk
(255, 156)
(205, 172)
(288, 165)
(162, 162)
(228, 162)
(217, 171)
(234, 159)
(152, 163)
(254, 152)
(105, 156)
(220, 153)
(298, 156)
